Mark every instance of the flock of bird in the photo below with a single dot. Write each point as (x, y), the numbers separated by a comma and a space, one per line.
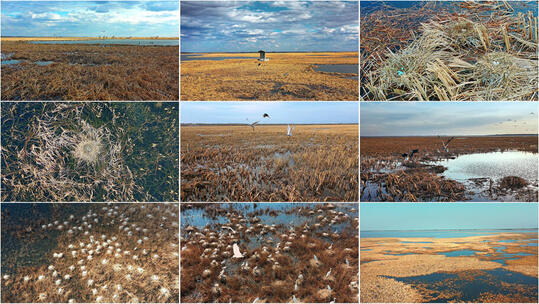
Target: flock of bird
(221, 247)
(118, 253)
(410, 155)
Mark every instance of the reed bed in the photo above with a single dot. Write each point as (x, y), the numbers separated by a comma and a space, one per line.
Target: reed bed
(235, 163)
(387, 176)
(482, 51)
(89, 152)
(90, 72)
(110, 253)
(287, 76)
(304, 262)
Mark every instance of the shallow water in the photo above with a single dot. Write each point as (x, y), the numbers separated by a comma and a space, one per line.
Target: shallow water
(11, 61)
(42, 63)
(495, 165)
(171, 42)
(458, 253)
(496, 281)
(197, 57)
(337, 68)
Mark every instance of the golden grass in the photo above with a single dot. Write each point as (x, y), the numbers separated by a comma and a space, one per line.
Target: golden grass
(467, 55)
(287, 76)
(426, 259)
(233, 163)
(90, 72)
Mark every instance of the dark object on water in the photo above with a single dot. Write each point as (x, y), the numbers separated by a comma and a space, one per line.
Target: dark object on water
(266, 115)
(411, 154)
(513, 182)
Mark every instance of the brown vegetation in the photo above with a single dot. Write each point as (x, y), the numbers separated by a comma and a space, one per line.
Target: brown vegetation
(287, 76)
(235, 163)
(386, 176)
(276, 264)
(90, 72)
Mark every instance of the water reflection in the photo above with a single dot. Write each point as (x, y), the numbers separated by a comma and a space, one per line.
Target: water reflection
(495, 165)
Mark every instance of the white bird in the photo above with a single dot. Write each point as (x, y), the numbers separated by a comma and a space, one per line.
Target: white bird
(289, 131)
(347, 263)
(296, 286)
(294, 300)
(252, 125)
(237, 253)
(329, 288)
(315, 258)
(255, 300)
(329, 273)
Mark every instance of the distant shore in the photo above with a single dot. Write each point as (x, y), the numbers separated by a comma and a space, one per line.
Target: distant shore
(83, 38)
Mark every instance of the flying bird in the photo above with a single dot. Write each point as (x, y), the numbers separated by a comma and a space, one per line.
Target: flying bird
(236, 250)
(252, 125)
(411, 154)
(289, 131)
(266, 115)
(446, 144)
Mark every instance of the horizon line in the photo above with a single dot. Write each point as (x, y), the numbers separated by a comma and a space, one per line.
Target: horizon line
(446, 135)
(452, 229)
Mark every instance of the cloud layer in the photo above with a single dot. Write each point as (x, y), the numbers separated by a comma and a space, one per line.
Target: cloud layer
(90, 18)
(441, 118)
(241, 26)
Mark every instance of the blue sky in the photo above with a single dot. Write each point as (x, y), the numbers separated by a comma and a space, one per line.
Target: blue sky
(443, 118)
(279, 112)
(248, 26)
(90, 18)
(417, 216)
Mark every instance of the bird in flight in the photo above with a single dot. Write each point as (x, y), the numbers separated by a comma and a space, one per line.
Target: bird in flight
(289, 131)
(410, 155)
(446, 144)
(254, 124)
(266, 115)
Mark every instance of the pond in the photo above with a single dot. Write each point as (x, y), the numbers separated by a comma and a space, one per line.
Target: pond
(197, 57)
(43, 63)
(338, 68)
(467, 286)
(495, 165)
(12, 61)
(456, 253)
(159, 42)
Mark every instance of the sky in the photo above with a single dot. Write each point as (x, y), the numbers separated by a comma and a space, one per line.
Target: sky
(425, 216)
(90, 18)
(248, 26)
(443, 118)
(279, 112)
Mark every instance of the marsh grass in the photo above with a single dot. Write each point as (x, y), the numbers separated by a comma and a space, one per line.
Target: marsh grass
(287, 76)
(90, 72)
(89, 152)
(456, 56)
(233, 163)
